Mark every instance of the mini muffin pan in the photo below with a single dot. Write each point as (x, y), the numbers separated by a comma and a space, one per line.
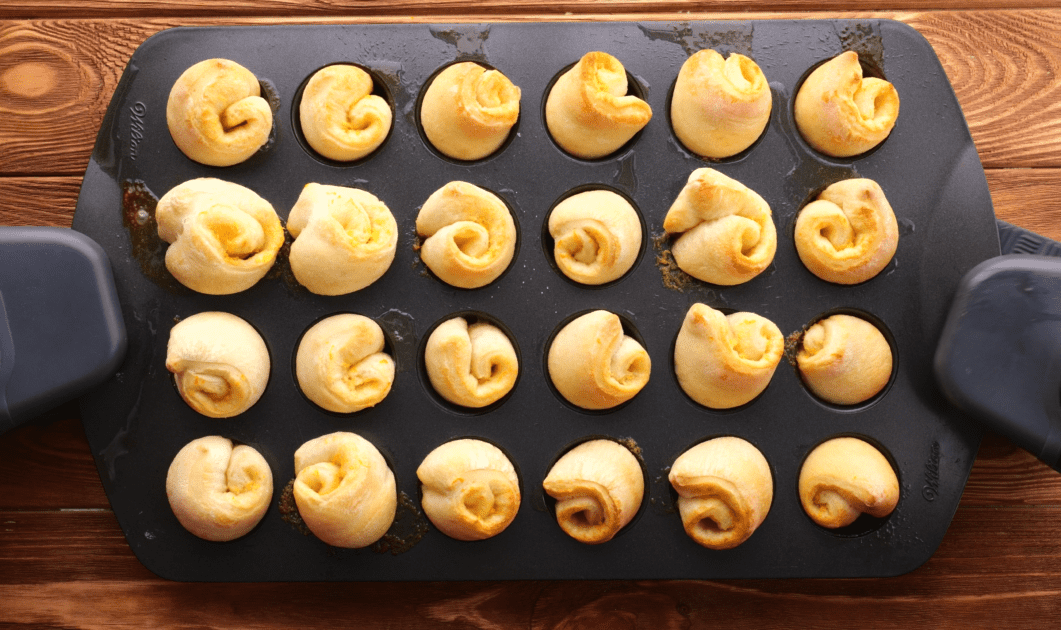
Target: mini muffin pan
(928, 168)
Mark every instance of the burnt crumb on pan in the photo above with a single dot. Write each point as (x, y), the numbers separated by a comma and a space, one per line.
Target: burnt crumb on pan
(408, 528)
(667, 503)
(289, 510)
(673, 277)
(793, 343)
(149, 251)
(632, 446)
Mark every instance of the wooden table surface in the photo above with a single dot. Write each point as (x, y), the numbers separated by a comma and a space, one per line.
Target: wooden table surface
(65, 563)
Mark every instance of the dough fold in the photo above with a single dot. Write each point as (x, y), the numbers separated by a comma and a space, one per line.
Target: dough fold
(845, 477)
(340, 116)
(720, 107)
(594, 365)
(844, 359)
(726, 230)
(218, 491)
(471, 491)
(216, 114)
(219, 363)
(468, 111)
(724, 491)
(598, 487)
(724, 361)
(596, 236)
(588, 112)
(345, 239)
(223, 237)
(470, 365)
(842, 114)
(341, 366)
(344, 490)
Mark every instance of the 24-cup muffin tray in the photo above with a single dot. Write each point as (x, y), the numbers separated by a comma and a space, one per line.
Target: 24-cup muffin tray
(928, 168)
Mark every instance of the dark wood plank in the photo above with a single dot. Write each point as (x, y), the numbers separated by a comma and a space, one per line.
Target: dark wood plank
(48, 201)
(56, 79)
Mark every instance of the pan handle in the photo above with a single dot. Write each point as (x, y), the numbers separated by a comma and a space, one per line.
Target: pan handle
(999, 355)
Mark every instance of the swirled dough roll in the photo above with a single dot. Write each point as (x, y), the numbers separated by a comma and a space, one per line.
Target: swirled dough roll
(218, 491)
(470, 237)
(472, 366)
(844, 478)
(344, 490)
(720, 107)
(588, 112)
(596, 235)
(468, 111)
(842, 114)
(216, 114)
(727, 233)
(724, 491)
(223, 237)
(849, 234)
(724, 361)
(219, 362)
(845, 359)
(345, 239)
(340, 116)
(594, 365)
(341, 366)
(471, 490)
(598, 487)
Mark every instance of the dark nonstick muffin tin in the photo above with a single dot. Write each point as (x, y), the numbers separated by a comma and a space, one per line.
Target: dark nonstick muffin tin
(928, 168)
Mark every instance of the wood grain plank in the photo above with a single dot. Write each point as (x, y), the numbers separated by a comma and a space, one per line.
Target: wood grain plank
(48, 201)
(342, 8)
(73, 569)
(56, 79)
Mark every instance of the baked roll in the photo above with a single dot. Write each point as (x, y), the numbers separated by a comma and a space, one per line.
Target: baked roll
(471, 366)
(341, 366)
(219, 362)
(471, 491)
(842, 114)
(720, 107)
(588, 112)
(594, 365)
(849, 234)
(724, 491)
(345, 239)
(596, 236)
(726, 230)
(598, 487)
(468, 111)
(218, 491)
(469, 235)
(725, 361)
(223, 237)
(344, 490)
(340, 116)
(216, 114)
(844, 478)
(844, 359)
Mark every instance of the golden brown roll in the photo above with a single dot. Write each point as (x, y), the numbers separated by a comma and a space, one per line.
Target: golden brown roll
(218, 491)
(849, 234)
(341, 366)
(588, 112)
(724, 361)
(345, 239)
(468, 111)
(219, 362)
(341, 118)
(344, 490)
(216, 114)
(472, 366)
(720, 107)
(727, 233)
(598, 487)
(845, 359)
(471, 490)
(223, 237)
(844, 478)
(724, 491)
(470, 237)
(594, 365)
(842, 114)
(596, 235)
